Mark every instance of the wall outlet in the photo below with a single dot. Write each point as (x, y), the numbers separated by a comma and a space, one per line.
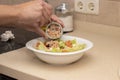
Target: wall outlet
(80, 6)
(87, 6)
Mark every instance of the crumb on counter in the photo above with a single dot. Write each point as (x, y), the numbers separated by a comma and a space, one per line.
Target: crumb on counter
(7, 36)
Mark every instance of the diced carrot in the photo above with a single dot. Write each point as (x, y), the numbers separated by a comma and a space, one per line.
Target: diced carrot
(38, 43)
(68, 43)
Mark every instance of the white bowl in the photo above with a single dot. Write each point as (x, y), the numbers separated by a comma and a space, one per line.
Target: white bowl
(59, 57)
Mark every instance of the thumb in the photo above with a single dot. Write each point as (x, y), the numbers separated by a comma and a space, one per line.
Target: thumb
(40, 31)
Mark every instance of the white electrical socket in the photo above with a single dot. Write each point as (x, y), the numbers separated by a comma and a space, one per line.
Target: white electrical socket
(92, 7)
(80, 6)
(87, 6)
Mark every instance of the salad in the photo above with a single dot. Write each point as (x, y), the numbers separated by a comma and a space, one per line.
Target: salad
(60, 46)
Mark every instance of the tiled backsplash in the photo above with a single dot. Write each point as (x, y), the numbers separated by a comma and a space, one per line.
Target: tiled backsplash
(109, 11)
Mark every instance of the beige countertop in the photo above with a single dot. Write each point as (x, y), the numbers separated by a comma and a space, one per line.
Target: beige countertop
(102, 62)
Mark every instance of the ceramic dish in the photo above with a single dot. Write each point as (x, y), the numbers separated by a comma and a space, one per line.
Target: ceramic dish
(59, 57)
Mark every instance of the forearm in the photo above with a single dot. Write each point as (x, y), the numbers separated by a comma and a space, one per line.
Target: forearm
(8, 14)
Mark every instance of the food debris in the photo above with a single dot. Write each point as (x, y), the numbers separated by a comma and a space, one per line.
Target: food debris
(7, 36)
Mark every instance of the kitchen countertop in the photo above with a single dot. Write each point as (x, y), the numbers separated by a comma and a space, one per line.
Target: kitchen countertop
(102, 62)
(21, 37)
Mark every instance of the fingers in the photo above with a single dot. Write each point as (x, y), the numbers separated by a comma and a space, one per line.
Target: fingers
(56, 19)
(39, 31)
(46, 13)
(48, 8)
(42, 21)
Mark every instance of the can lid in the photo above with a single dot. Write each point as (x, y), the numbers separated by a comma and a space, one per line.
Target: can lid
(54, 30)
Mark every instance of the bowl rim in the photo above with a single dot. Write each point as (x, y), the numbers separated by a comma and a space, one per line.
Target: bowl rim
(60, 53)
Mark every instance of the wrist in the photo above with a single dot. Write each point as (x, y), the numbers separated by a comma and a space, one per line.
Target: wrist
(14, 14)
(8, 14)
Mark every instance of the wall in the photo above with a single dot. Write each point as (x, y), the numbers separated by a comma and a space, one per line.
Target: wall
(12, 1)
(109, 11)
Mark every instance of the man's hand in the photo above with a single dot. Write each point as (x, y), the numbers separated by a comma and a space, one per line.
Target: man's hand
(33, 15)
(30, 15)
